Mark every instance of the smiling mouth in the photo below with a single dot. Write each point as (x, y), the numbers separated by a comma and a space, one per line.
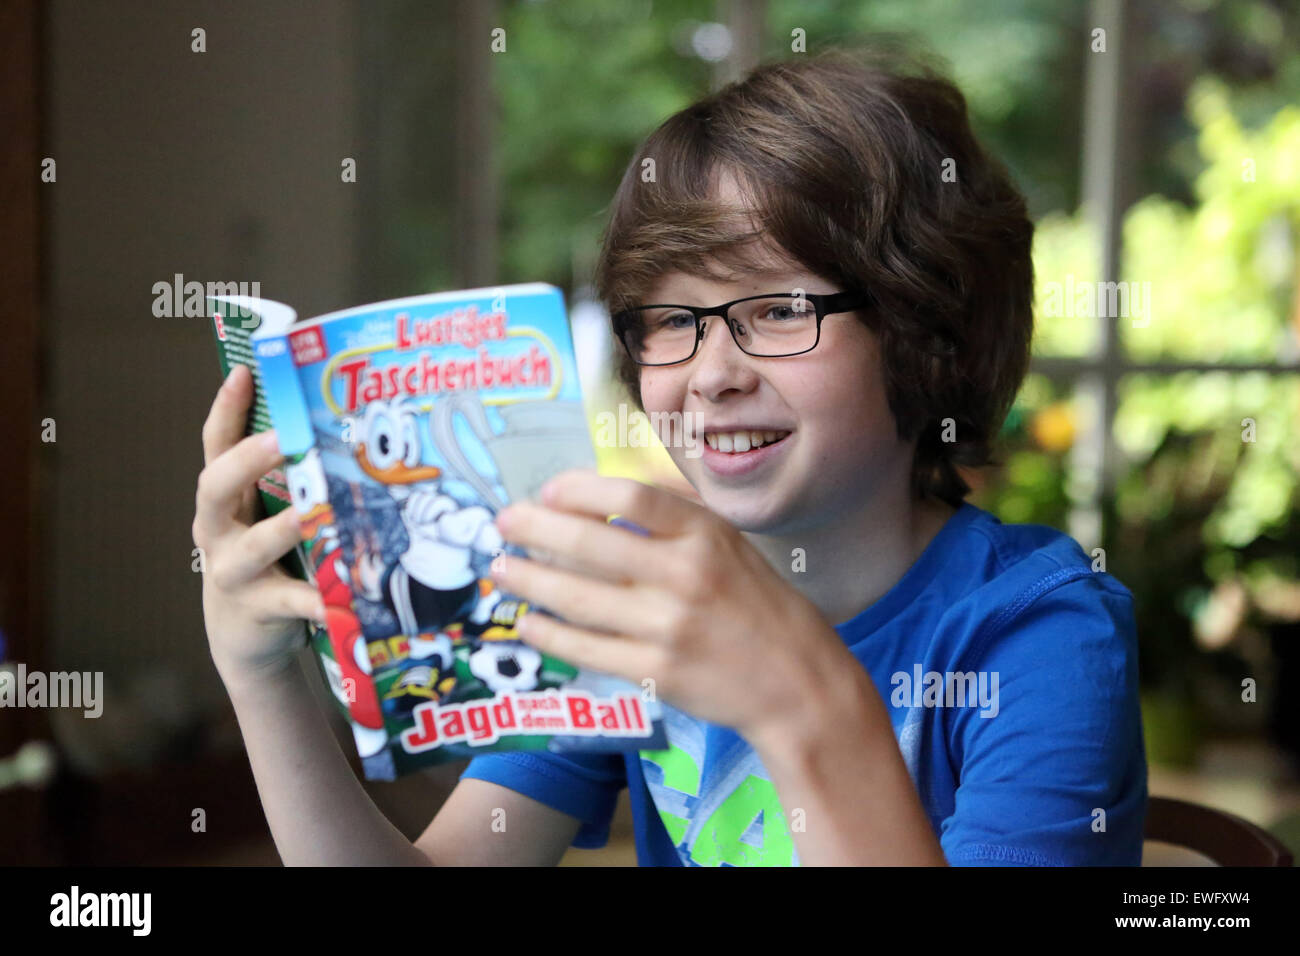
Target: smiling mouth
(735, 442)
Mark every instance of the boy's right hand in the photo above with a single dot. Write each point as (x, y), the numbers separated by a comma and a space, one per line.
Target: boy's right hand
(252, 609)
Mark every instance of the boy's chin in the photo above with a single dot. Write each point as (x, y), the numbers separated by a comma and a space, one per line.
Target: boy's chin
(753, 512)
(756, 510)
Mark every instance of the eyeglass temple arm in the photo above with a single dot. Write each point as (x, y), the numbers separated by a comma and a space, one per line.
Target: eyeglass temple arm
(842, 301)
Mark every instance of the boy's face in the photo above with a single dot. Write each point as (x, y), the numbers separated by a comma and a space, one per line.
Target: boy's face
(842, 448)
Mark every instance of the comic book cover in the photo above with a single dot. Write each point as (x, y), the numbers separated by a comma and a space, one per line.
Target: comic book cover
(233, 322)
(406, 426)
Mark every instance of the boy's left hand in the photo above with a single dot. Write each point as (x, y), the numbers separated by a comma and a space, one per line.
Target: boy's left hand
(693, 606)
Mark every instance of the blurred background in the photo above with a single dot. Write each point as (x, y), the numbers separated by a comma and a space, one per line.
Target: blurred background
(1158, 144)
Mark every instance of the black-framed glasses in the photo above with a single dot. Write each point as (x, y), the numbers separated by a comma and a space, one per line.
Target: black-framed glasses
(765, 326)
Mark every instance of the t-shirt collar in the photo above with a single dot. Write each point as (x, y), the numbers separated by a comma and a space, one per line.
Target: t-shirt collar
(915, 580)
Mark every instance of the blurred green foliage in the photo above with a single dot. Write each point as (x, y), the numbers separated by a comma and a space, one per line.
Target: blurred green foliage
(1209, 497)
(587, 82)
(584, 81)
(1215, 172)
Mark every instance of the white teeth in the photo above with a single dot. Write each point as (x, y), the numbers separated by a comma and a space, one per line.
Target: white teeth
(732, 442)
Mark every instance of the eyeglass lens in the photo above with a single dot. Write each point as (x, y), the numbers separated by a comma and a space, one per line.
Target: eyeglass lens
(770, 326)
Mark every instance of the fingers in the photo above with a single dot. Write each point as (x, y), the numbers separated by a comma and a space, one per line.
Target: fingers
(658, 511)
(222, 495)
(280, 596)
(586, 541)
(228, 417)
(251, 552)
(631, 660)
(583, 602)
(248, 502)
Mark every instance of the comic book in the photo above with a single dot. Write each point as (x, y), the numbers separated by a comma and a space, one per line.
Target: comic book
(406, 425)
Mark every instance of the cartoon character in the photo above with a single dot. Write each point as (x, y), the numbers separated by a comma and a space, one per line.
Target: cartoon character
(369, 740)
(348, 643)
(349, 672)
(500, 625)
(309, 494)
(429, 674)
(433, 582)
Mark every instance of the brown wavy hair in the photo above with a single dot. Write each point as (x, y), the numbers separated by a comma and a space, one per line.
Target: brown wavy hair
(840, 159)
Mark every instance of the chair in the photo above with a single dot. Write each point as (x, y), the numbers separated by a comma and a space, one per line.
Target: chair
(1225, 839)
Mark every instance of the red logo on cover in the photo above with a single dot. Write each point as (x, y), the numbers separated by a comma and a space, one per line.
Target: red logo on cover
(308, 346)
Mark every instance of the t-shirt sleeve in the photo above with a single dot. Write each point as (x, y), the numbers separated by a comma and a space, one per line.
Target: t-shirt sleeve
(583, 785)
(1056, 774)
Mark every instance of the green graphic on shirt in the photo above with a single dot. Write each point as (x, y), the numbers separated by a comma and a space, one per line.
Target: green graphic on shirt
(718, 841)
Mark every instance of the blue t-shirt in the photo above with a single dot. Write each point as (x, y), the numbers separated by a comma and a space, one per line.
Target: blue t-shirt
(1009, 670)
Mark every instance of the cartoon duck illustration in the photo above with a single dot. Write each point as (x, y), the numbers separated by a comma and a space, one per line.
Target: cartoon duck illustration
(309, 494)
(433, 582)
(349, 671)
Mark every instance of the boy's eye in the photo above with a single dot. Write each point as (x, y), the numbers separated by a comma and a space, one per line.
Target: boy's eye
(674, 321)
(783, 312)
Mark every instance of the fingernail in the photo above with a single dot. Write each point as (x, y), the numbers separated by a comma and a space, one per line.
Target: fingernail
(270, 441)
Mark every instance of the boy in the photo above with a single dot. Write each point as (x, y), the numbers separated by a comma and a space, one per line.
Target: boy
(831, 283)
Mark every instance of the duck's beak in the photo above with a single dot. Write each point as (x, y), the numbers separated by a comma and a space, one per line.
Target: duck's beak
(398, 474)
(313, 521)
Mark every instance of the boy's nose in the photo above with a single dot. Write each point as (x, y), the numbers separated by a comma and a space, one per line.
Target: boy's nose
(720, 363)
(716, 330)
